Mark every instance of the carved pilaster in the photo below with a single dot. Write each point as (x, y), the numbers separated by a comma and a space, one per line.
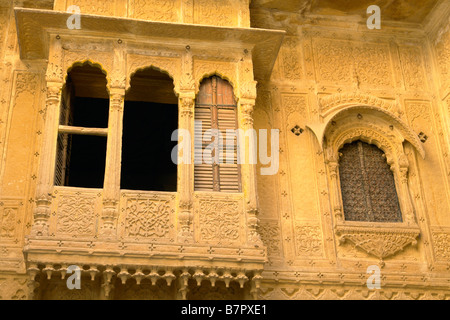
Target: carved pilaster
(249, 172)
(405, 196)
(47, 161)
(111, 187)
(333, 167)
(185, 167)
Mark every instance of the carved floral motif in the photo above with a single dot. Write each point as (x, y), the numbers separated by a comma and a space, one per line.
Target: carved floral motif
(156, 10)
(294, 104)
(218, 13)
(270, 236)
(8, 222)
(219, 220)
(441, 242)
(76, 215)
(343, 62)
(148, 217)
(308, 240)
(413, 71)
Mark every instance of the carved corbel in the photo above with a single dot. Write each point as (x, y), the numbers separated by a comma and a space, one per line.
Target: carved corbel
(32, 284)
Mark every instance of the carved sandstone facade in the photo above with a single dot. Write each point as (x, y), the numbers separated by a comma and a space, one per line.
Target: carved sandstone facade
(324, 82)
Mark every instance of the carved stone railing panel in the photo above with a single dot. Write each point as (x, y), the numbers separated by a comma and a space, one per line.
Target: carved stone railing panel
(147, 216)
(75, 212)
(219, 219)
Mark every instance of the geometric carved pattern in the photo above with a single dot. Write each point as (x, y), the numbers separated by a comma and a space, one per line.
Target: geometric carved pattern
(76, 215)
(367, 184)
(378, 242)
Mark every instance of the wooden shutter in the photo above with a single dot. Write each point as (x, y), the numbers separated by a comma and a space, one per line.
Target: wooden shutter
(228, 172)
(203, 172)
(216, 108)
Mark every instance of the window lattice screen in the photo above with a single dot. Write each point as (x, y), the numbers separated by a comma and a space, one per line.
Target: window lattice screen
(367, 184)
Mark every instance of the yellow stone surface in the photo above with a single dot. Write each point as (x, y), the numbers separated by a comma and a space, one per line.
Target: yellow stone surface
(311, 64)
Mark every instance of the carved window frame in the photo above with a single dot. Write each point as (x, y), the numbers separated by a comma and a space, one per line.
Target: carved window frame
(380, 239)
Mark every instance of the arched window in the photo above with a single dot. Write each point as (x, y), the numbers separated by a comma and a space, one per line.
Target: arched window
(81, 146)
(367, 184)
(150, 117)
(216, 167)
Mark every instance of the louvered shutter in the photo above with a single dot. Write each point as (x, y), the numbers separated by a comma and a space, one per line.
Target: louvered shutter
(216, 108)
(228, 168)
(203, 172)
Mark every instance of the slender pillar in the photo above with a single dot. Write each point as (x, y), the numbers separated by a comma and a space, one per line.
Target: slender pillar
(111, 186)
(185, 166)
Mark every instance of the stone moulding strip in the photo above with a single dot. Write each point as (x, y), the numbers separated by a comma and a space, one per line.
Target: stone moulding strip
(324, 277)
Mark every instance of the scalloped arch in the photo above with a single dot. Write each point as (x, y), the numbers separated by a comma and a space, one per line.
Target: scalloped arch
(319, 129)
(90, 62)
(369, 135)
(152, 66)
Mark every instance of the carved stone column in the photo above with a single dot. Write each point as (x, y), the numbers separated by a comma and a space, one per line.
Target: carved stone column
(47, 161)
(185, 167)
(111, 186)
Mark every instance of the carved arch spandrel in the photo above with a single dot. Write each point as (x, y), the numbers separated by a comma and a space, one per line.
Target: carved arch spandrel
(169, 66)
(336, 105)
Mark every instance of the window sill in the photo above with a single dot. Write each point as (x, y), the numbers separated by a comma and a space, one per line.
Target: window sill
(378, 239)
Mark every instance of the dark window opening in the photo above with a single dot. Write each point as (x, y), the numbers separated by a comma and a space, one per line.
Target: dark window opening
(80, 158)
(150, 117)
(367, 184)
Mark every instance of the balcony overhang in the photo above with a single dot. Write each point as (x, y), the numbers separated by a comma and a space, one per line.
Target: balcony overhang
(34, 27)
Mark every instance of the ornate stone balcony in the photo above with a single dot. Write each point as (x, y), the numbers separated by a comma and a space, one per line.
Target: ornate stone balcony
(147, 243)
